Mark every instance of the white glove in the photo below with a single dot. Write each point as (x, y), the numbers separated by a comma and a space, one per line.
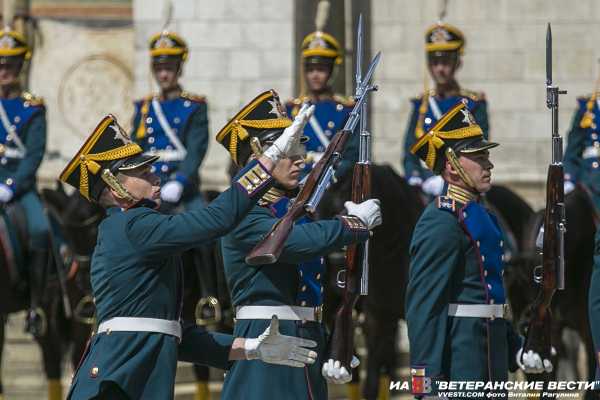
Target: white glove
(290, 138)
(275, 348)
(6, 193)
(171, 191)
(415, 181)
(532, 363)
(368, 211)
(569, 187)
(334, 372)
(433, 186)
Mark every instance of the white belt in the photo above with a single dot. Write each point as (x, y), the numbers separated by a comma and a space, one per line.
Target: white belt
(478, 310)
(167, 155)
(288, 313)
(10, 152)
(131, 324)
(591, 152)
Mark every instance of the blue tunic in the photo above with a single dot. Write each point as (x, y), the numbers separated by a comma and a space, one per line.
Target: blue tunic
(187, 118)
(436, 107)
(456, 257)
(282, 283)
(330, 116)
(136, 272)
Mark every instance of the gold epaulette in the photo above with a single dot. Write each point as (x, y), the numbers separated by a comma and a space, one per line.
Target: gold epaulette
(32, 99)
(420, 96)
(475, 96)
(148, 97)
(297, 101)
(193, 97)
(346, 101)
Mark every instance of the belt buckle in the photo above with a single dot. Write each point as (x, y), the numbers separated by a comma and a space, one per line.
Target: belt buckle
(319, 313)
(506, 312)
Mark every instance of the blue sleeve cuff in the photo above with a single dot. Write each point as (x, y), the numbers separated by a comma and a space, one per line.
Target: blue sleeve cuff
(182, 179)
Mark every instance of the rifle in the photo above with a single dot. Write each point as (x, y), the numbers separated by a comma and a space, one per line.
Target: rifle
(550, 276)
(269, 249)
(356, 279)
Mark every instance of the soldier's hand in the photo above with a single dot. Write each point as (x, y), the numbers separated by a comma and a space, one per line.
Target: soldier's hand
(171, 191)
(275, 348)
(532, 363)
(433, 186)
(289, 140)
(6, 193)
(368, 211)
(334, 372)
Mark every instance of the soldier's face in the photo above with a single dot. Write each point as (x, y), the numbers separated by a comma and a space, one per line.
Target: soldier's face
(317, 76)
(443, 67)
(287, 171)
(479, 168)
(141, 183)
(166, 74)
(9, 73)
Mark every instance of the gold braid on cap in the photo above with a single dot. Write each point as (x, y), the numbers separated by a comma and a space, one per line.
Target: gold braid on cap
(238, 130)
(87, 162)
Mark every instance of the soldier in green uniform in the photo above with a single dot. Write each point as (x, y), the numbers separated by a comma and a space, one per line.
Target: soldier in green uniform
(291, 288)
(136, 270)
(173, 124)
(582, 167)
(444, 46)
(22, 147)
(455, 297)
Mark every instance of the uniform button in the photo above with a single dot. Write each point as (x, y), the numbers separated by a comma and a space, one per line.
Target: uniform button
(594, 136)
(339, 107)
(303, 288)
(150, 140)
(303, 303)
(321, 289)
(502, 257)
(491, 301)
(485, 272)
(478, 243)
(26, 104)
(596, 144)
(164, 168)
(595, 164)
(301, 273)
(482, 258)
(489, 286)
(318, 276)
(149, 120)
(150, 130)
(152, 148)
(186, 103)
(501, 243)
(427, 120)
(328, 132)
(17, 119)
(94, 372)
(176, 120)
(464, 214)
(153, 169)
(330, 124)
(3, 160)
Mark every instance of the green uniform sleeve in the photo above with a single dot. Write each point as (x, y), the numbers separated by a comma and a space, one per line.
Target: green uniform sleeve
(158, 235)
(575, 146)
(412, 163)
(199, 346)
(305, 242)
(435, 253)
(481, 116)
(196, 144)
(35, 144)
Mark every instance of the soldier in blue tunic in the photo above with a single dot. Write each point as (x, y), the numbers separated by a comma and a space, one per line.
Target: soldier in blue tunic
(455, 297)
(444, 45)
(291, 288)
(173, 124)
(321, 57)
(136, 271)
(582, 167)
(22, 146)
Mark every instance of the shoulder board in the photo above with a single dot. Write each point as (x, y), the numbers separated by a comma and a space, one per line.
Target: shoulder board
(446, 203)
(420, 96)
(346, 101)
(32, 99)
(296, 101)
(193, 97)
(584, 98)
(475, 96)
(145, 98)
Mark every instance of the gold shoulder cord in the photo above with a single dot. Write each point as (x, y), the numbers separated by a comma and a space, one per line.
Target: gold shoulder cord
(451, 156)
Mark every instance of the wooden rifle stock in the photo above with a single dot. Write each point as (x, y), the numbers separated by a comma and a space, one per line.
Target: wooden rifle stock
(539, 332)
(342, 344)
(268, 250)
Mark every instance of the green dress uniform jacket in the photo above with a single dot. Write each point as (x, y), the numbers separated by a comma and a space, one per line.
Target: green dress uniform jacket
(450, 265)
(136, 272)
(279, 284)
